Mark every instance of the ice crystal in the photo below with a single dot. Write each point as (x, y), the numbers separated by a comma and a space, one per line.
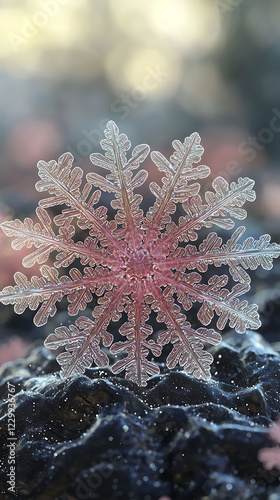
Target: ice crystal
(137, 264)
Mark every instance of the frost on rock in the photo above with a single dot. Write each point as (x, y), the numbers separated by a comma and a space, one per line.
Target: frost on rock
(133, 263)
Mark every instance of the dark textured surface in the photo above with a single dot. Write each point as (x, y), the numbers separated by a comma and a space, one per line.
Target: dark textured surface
(101, 437)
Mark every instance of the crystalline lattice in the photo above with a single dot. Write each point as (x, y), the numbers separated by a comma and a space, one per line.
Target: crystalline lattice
(133, 263)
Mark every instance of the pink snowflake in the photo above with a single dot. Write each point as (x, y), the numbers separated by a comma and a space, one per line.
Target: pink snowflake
(137, 264)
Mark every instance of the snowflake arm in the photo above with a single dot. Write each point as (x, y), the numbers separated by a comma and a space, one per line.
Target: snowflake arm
(82, 348)
(239, 257)
(175, 185)
(43, 238)
(82, 335)
(227, 200)
(214, 297)
(187, 343)
(137, 347)
(63, 182)
(120, 180)
(49, 289)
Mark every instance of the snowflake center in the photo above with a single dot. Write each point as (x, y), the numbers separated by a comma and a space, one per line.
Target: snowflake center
(139, 264)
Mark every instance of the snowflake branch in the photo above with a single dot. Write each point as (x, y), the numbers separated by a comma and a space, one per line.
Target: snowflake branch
(120, 180)
(60, 180)
(100, 325)
(124, 193)
(138, 304)
(222, 301)
(251, 254)
(137, 367)
(175, 185)
(77, 361)
(195, 359)
(44, 239)
(50, 289)
(224, 201)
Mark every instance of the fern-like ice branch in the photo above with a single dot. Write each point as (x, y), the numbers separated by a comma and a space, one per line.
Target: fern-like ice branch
(227, 200)
(214, 298)
(120, 180)
(50, 288)
(43, 238)
(83, 336)
(239, 257)
(83, 347)
(187, 343)
(137, 347)
(178, 172)
(63, 181)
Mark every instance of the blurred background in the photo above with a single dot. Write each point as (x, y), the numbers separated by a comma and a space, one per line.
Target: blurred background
(161, 69)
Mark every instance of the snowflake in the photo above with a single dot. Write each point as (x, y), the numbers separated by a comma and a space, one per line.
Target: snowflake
(137, 264)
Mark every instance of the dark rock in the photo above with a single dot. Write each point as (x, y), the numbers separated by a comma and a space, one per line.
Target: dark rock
(100, 436)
